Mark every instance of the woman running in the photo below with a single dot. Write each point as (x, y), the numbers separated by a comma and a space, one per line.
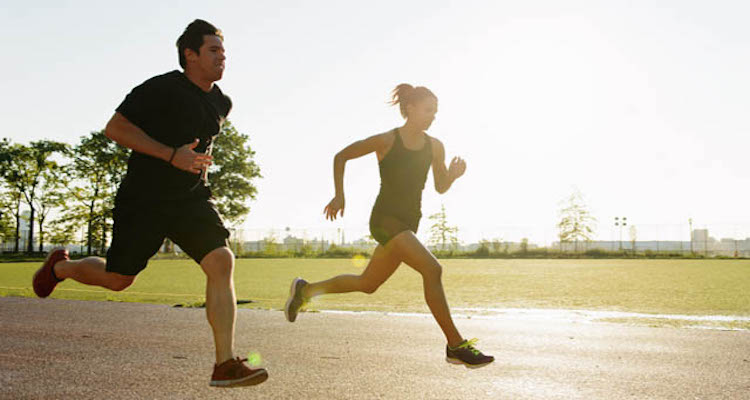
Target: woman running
(405, 155)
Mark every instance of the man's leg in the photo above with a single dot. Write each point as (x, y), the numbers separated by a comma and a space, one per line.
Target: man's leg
(136, 236)
(204, 238)
(221, 303)
(221, 310)
(91, 271)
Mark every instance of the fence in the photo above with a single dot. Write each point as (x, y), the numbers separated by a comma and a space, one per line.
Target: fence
(729, 239)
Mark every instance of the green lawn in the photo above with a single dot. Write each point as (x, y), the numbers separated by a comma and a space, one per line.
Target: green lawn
(699, 287)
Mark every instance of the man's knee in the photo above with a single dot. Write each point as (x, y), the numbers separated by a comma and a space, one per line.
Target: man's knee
(218, 263)
(119, 282)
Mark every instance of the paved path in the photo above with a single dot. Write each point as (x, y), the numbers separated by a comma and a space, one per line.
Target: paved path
(62, 349)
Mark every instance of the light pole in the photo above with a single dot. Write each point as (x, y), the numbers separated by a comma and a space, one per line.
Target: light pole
(690, 221)
(620, 222)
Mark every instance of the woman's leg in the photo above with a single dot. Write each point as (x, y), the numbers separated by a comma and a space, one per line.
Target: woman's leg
(406, 247)
(381, 266)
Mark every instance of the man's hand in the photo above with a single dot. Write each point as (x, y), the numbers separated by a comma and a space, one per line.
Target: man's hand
(188, 160)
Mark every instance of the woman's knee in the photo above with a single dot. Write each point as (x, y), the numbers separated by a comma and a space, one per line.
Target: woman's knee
(432, 271)
(368, 287)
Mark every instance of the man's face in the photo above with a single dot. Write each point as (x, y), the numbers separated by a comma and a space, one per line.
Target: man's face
(209, 62)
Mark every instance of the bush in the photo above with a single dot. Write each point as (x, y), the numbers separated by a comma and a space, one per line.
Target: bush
(482, 251)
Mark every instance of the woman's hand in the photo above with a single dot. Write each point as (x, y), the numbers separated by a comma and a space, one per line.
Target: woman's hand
(457, 168)
(334, 207)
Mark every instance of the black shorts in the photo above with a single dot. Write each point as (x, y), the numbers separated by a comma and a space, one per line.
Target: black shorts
(384, 227)
(139, 231)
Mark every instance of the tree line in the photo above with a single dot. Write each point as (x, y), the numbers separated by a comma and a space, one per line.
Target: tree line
(76, 184)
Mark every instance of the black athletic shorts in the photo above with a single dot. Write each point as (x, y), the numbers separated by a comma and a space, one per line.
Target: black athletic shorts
(139, 231)
(384, 227)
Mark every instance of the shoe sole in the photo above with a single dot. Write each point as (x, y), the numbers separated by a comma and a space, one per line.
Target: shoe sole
(258, 377)
(456, 361)
(292, 293)
(46, 260)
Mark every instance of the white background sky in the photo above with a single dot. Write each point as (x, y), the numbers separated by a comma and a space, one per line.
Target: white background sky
(642, 105)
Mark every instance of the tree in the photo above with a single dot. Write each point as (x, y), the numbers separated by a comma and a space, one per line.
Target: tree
(576, 223)
(24, 171)
(441, 232)
(270, 244)
(496, 245)
(49, 198)
(6, 222)
(484, 248)
(231, 176)
(11, 207)
(11, 198)
(633, 236)
(62, 234)
(98, 166)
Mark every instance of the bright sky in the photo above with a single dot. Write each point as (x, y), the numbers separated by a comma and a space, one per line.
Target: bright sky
(641, 105)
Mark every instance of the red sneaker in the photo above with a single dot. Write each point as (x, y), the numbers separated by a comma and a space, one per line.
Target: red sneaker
(44, 279)
(235, 372)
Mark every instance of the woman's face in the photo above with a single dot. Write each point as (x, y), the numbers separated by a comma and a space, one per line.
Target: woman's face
(422, 112)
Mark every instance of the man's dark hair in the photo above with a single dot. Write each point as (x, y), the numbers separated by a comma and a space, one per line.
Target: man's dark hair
(192, 38)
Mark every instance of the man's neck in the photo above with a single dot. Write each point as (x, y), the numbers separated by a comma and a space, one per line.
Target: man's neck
(204, 85)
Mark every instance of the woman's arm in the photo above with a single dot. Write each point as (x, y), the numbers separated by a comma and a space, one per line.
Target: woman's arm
(357, 149)
(444, 177)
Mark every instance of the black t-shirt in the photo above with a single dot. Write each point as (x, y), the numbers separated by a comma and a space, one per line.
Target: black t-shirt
(174, 111)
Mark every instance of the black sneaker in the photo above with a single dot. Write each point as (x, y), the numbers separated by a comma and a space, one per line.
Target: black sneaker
(466, 354)
(295, 301)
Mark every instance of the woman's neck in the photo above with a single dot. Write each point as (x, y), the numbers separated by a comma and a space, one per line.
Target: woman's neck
(410, 130)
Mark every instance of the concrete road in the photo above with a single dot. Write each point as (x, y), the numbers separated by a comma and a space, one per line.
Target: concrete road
(60, 349)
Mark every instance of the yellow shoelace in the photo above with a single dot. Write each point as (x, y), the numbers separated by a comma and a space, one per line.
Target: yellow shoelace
(469, 344)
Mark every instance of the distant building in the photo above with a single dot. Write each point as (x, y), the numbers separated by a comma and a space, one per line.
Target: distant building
(702, 243)
(289, 243)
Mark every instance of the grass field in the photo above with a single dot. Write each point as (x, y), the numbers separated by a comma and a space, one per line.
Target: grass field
(692, 287)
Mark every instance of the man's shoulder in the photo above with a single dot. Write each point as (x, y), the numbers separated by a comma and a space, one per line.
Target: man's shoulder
(162, 80)
(224, 101)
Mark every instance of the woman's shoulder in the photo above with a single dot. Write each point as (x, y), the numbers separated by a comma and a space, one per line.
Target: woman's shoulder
(384, 138)
(434, 141)
(391, 133)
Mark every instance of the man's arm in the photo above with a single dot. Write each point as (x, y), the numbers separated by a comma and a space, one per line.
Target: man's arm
(126, 134)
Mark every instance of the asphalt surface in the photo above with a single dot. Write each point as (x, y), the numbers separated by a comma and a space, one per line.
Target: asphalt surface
(62, 349)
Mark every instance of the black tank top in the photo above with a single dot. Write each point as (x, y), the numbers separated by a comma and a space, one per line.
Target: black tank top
(403, 173)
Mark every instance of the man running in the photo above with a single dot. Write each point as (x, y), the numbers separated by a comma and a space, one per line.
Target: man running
(169, 122)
